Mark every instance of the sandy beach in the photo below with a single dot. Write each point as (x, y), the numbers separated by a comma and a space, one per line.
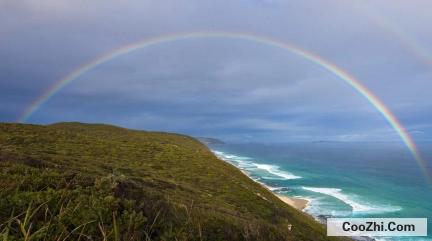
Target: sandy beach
(297, 203)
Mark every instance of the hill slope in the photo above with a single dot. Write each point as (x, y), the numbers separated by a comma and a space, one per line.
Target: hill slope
(72, 181)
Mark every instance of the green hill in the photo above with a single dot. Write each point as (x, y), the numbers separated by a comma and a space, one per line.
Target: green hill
(73, 181)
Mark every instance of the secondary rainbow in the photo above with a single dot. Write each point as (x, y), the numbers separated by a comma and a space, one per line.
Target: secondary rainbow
(148, 42)
(406, 40)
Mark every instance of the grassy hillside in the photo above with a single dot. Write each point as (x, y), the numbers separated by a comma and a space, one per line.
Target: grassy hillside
(72, 181)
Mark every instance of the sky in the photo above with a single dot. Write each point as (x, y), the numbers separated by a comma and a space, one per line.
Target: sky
(232, 89)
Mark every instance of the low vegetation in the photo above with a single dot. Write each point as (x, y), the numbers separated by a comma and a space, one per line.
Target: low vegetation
(73, 181)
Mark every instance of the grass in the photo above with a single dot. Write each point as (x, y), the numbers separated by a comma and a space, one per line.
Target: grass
(74, 181)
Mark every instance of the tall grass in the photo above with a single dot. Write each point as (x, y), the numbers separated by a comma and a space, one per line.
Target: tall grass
(72, 181)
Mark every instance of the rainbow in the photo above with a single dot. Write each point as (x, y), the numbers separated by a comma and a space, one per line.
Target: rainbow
(409, 43)
(332, 68)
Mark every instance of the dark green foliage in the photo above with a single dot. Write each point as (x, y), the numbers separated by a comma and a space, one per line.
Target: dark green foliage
(72, 181)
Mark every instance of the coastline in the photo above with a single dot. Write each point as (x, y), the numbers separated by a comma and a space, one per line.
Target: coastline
(297, 203)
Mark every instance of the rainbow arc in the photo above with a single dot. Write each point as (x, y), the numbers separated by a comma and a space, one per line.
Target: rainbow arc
(332, 68)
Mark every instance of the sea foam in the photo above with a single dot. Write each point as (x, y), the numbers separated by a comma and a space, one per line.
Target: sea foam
(274, 170)
(277, 189)
(357, 206)
(246, 163)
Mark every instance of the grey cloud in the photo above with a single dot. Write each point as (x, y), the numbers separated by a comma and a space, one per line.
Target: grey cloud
(219, 87)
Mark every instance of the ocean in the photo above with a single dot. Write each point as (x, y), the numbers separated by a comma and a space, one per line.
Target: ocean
(341, 179)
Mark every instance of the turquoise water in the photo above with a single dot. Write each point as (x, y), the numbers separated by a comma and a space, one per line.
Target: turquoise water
(341, 179)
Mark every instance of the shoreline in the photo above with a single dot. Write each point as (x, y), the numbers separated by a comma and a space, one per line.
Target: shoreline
(298, 203)
(295, 202)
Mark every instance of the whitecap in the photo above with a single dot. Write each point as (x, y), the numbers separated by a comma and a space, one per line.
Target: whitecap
(224, 155)
(274, 170)
(245, 163)
(360, 207)
(278, 189)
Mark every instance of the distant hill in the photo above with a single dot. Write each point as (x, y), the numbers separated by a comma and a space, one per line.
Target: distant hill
(73, 181)
(209, 141)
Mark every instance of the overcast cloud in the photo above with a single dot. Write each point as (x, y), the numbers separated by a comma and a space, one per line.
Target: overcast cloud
(227, 88)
